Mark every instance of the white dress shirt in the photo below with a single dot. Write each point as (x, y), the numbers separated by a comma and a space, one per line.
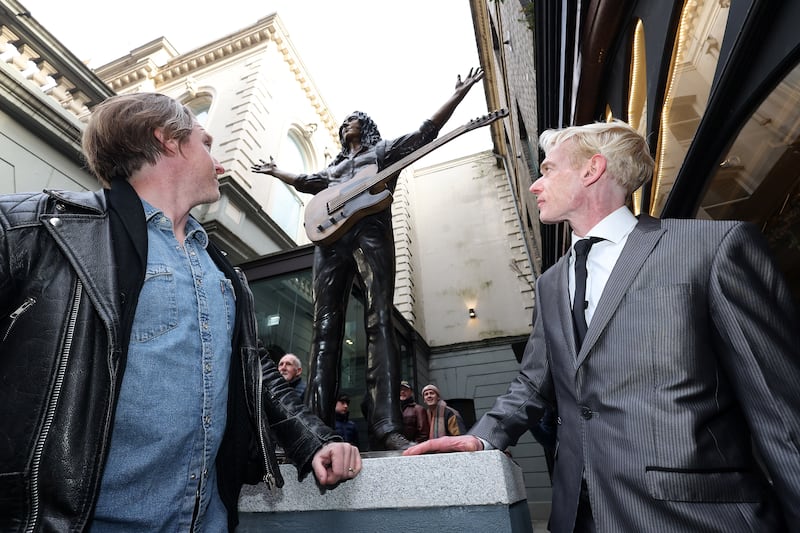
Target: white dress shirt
(615, 229)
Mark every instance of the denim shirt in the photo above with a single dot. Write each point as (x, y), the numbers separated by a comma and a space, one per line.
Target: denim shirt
(172, 405)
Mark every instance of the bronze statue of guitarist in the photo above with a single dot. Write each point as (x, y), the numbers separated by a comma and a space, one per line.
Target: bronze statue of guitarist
(365, 249)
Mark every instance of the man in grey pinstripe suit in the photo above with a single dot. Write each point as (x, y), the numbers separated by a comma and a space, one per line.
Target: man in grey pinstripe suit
(680, 411)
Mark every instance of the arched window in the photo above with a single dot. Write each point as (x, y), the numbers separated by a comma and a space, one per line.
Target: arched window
(200, 106)
(285, 204)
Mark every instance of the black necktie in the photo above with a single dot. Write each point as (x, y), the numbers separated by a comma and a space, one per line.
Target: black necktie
(582, 248)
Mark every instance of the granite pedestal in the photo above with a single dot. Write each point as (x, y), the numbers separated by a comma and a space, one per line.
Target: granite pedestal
(454, 492)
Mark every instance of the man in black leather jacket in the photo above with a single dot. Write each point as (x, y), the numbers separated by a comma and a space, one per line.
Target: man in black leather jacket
(74, 293)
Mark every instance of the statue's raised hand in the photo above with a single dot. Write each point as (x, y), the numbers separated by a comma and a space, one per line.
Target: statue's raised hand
(265, 167)
(474, 76)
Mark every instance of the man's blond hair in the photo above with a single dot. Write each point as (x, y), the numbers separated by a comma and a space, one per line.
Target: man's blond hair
(628, 159)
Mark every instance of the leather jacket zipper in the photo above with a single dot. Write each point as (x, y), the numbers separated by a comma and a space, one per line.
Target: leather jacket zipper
(27, 304)
(269, 475)
(52, 404)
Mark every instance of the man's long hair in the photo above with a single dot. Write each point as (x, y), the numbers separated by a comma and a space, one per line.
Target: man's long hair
(369, 134)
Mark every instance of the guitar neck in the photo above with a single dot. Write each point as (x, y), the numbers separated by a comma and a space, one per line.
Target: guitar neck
(417, 154)
(391, 170)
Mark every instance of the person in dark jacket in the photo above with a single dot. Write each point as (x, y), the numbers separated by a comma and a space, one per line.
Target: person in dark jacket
(132, 396)
(415, 418)
(291, 368)
(345, 427)
(365, 249)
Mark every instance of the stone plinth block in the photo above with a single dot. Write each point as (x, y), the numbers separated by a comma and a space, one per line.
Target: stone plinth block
(454, 492)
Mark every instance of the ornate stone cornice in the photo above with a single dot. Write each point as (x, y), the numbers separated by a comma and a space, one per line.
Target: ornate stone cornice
(42, 84)
(157, 63)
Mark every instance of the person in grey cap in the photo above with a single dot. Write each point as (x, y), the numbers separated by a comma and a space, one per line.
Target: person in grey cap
(443, 420)
(415, 419)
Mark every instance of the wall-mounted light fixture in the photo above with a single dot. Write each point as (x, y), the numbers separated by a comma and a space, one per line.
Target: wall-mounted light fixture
(471, 312)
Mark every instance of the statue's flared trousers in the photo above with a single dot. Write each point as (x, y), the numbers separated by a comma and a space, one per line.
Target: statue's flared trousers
(366, 251)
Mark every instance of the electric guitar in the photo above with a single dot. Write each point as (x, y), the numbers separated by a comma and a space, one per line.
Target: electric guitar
(332, 211)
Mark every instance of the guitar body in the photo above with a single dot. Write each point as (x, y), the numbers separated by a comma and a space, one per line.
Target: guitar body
(333, 211)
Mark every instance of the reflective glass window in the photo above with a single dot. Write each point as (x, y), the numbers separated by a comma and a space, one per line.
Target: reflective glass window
(757, 180)
(692, 68)
(284, 315)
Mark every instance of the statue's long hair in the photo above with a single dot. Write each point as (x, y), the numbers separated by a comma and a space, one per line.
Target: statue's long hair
(369, 134)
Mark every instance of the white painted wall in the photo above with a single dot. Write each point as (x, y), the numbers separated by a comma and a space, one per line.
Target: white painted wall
(465, 238)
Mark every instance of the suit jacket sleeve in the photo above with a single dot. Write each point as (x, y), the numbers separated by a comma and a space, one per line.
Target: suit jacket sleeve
(758, 327)
(523, 403)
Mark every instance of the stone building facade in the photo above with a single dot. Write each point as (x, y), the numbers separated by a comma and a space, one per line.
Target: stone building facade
(45, 96)
(256, 98)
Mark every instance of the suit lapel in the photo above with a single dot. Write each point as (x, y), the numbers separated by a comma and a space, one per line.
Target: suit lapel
(564, 306)
(638, 248)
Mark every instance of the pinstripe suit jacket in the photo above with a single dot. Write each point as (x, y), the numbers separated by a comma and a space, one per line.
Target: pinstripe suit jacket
(688, 379)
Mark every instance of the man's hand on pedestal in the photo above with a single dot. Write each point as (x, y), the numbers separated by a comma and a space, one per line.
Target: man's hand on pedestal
(462, 443)
(336, 462)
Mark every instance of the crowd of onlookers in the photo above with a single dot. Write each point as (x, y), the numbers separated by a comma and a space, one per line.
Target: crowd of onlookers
(433, 418)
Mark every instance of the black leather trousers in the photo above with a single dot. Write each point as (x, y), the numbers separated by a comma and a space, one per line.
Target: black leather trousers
(367, 251)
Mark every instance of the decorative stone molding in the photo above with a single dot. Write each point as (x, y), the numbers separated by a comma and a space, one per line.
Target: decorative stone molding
(157, 63)
(42, 84)
(23, 58)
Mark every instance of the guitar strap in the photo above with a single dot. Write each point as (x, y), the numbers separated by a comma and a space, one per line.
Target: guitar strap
(380, 156)
(380, 153)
